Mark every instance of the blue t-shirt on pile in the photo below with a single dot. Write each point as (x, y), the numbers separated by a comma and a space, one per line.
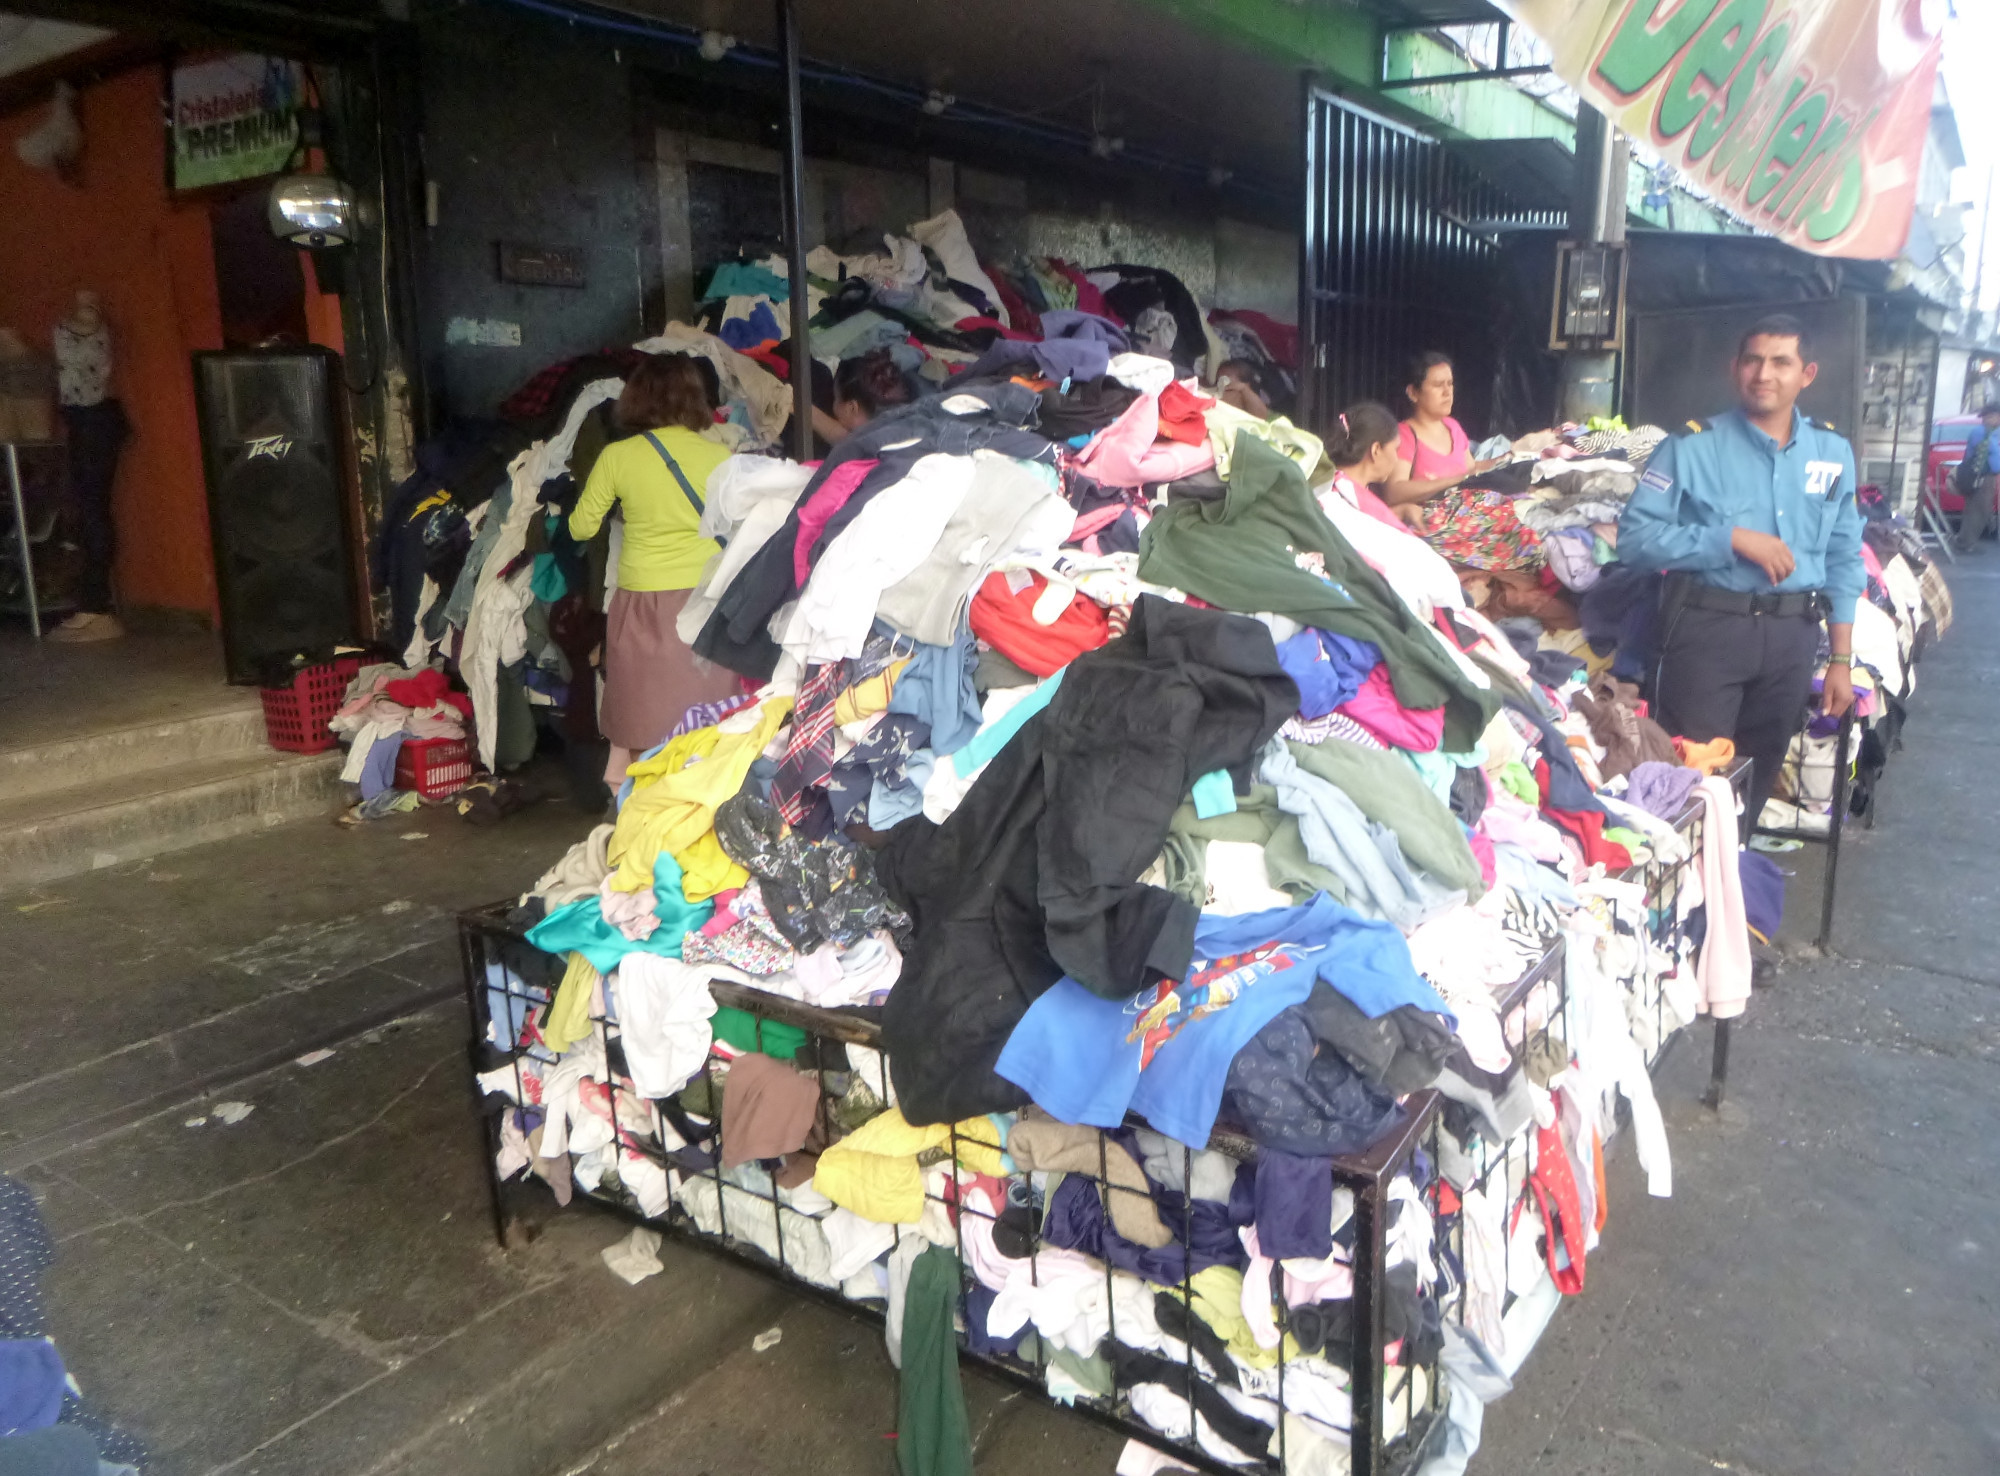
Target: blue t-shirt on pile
(1328, 669)
(1165, 1053)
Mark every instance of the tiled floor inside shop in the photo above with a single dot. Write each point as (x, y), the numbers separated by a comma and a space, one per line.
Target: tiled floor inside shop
(315, 1288)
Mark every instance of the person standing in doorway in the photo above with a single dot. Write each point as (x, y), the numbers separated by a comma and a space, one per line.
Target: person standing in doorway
(1982, 454)
(1751, 516)
(96, 427)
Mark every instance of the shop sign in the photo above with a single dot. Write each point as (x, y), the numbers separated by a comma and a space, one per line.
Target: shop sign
(542, 266)
(1808, 118)
(234, 118)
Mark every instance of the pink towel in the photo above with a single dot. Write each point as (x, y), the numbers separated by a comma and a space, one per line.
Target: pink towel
(1129, 453)
(1722, 975)
(1419, 729)
(820, 508)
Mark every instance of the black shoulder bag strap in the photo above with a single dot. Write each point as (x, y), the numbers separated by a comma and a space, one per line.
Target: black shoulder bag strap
(679, 475)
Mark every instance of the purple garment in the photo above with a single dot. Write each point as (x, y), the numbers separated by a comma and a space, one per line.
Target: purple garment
(1074, 345)
(31, 1385)
(1075, 1220)
(1661, 789)
(1294, 1206)
(1763, 892)
(378, 770)
(1329, 669)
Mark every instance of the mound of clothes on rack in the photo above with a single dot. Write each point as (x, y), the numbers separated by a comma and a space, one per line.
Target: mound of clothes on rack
(485, 581)
(1148, 794)
(1907, 607)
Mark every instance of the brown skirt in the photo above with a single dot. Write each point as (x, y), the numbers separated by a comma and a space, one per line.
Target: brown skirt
(651, 676)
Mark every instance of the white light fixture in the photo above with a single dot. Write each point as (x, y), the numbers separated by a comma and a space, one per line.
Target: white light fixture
(938, 102)
(715, 45)
(313, 210)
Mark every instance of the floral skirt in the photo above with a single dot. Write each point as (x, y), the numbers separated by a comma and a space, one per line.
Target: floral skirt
(1478, 530)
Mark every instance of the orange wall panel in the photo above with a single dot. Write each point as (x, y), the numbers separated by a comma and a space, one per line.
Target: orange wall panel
(118, 233)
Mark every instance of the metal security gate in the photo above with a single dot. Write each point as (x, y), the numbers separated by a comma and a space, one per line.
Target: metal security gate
(1398, 258)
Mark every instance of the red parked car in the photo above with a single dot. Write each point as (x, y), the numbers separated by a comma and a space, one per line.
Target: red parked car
(1948, 437)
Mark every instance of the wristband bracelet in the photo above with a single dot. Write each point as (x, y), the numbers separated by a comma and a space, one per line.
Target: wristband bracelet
(1840, 660)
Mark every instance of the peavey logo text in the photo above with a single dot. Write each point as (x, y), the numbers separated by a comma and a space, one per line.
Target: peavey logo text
(277, 448)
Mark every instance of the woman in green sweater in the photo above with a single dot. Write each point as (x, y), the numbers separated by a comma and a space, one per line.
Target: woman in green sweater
(657, 476)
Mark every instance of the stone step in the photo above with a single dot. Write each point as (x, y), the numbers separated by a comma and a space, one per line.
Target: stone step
(129, 817)
(234, 729)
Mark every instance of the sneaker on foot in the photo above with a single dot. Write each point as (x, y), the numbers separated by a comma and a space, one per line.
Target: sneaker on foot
(86, 626)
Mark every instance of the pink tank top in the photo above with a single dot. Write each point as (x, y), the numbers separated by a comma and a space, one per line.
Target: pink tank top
(1426, 464)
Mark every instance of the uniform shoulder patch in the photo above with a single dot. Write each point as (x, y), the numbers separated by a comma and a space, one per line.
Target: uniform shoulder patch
(1697, 426)
(1658, 480)
(1818, 424)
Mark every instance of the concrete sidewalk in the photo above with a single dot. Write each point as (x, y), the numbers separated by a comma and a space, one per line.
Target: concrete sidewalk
(315, 1288)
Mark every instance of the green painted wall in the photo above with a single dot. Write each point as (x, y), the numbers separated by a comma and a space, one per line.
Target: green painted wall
(1469, 109)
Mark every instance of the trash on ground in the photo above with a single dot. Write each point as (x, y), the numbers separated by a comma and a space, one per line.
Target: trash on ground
(766, 1340)
(635, 1257)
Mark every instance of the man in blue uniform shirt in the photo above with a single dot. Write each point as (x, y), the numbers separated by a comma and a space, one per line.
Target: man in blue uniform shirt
(1752, 517)
(1982, 449)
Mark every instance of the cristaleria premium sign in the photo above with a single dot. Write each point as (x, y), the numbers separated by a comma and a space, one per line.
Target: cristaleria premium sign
(236, 117)
(1806, 118)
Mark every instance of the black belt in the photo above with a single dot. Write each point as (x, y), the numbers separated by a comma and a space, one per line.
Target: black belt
(1692, 594)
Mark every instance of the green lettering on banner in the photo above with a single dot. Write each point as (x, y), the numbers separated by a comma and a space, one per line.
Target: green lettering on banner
(1794, 136)
(1799, 184)
(1837, 214)
(1638, 53)
(1748, 153)
(1712, 59)
(1749, 83)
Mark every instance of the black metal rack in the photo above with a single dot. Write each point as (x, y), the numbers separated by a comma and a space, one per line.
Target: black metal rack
(1395, 1403)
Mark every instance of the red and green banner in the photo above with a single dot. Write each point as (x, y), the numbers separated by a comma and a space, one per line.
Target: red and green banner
(1807, 118)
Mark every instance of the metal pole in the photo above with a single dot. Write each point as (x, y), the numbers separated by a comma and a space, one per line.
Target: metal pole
(21, 537)
(1596, 217)
(794, 185)
(1839, 815)
(1312, 253)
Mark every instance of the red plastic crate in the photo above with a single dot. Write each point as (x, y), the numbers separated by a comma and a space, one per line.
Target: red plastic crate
(434, 767)
(295, 716)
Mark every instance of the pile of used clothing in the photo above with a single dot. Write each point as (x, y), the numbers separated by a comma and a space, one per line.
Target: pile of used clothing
(1143, 787)
(1907, 607)
(45, 1426)
(385, 706)
(474, 551)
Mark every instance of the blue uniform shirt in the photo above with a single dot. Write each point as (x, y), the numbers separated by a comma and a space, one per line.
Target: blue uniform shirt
(1698, 488)
(1978, 434)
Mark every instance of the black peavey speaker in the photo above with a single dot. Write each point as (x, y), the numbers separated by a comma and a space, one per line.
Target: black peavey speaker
(284, 552)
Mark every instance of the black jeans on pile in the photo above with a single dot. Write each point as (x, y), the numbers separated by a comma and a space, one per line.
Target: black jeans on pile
(1742, 677)
(96, 434)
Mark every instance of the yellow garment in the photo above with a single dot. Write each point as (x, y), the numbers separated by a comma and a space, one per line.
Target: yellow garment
(1218, 1301)
(674, 799)
(874, 1172)
(568, 1019)
(706, 869)
(663, 547)
(1710, 758)
(869, 696)
(1225, 421)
